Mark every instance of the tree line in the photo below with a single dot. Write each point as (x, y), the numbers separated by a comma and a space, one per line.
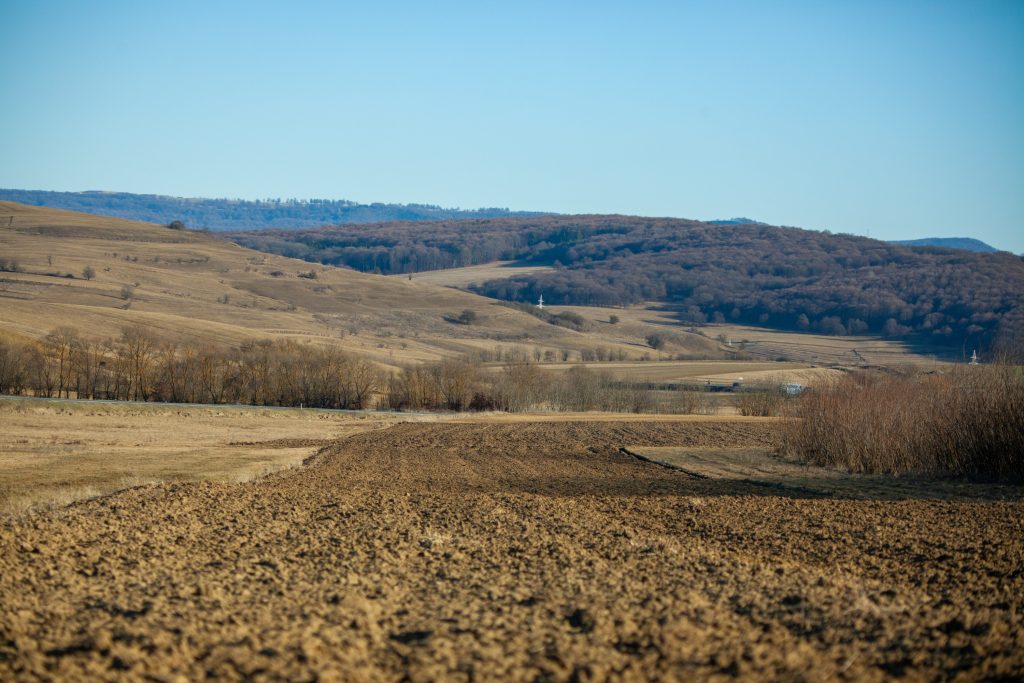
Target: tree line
(138, 366)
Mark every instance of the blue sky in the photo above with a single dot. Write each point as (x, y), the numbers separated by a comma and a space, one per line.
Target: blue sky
(905, 119)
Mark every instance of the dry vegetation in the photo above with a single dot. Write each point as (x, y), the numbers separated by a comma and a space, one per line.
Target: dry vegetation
(806, 347)
(138, 366)
(191, 287)
(53, 453)
(968, 422)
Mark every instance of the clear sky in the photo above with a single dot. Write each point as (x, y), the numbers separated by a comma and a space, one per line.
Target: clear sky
(905, 119)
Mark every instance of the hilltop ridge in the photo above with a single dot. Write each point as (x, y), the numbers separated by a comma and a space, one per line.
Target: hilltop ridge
(241, 214)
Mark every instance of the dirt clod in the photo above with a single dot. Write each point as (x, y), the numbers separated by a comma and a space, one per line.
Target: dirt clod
(516, 551)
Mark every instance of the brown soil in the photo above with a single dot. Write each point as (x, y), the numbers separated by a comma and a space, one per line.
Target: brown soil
(512, 551)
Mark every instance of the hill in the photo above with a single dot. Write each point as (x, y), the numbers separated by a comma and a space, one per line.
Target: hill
(196, 287)
(962, 243)
(239, 214)
(728, 271)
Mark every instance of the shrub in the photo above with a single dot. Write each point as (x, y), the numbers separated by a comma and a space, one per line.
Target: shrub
(467, 317)
(657, 340)
(767, 403)
(685, 401)
(573, 321)
(613, 319)
(176, 225)
(969, 422)
(127, 292)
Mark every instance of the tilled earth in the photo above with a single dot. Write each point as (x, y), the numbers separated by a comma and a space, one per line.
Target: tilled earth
(518, 552)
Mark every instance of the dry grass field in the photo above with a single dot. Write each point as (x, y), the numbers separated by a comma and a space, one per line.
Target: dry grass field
(636, 322)
(515, 551)
(187, 285)
(55, 452)
(828, 350)
(716, 372)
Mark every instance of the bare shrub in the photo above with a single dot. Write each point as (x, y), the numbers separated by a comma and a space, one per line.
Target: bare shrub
(14, 360)
(657, 340)
(764, 403)
(688, 402)
(969, 422)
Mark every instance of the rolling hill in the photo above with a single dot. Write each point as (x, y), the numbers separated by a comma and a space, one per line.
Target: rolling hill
(726, 271)
(192, 286)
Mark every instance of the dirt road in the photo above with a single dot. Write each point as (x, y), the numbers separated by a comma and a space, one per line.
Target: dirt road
(512, 552)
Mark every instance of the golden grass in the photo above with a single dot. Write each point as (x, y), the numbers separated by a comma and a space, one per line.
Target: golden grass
(720, 371)
(636, 322)
(53, 453)
(821, 349)
(193, 286)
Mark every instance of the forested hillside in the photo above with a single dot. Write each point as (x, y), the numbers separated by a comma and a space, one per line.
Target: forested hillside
(238, 214)
(774, 276)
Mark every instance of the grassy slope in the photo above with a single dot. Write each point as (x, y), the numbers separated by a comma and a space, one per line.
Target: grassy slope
(180, 281)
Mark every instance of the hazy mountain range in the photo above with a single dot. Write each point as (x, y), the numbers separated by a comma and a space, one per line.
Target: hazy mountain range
(241, 214)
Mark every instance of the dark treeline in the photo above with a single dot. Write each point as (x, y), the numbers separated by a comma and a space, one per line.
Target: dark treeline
(751, 273)
(407, 247)
(240, 214)
(137, 366)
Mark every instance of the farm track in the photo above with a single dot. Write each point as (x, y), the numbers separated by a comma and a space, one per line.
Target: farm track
(512, 552)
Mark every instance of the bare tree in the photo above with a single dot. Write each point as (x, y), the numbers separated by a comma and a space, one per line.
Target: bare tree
(58, 345)
(138, 346)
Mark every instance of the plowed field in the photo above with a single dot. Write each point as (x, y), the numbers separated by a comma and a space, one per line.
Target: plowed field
(515, 552)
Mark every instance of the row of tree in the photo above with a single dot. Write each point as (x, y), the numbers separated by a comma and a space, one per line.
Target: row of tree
(138, 366)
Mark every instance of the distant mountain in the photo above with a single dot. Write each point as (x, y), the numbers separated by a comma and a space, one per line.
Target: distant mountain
(735, 221)
(962, 243)
(239, 214)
